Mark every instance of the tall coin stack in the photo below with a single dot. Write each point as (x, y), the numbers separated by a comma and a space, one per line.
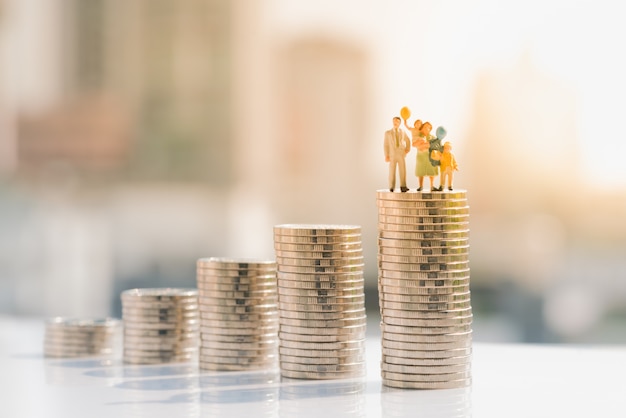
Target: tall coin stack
(321, 301)
(67, 337)
(238, 314)
(424, 294)
(161, 325)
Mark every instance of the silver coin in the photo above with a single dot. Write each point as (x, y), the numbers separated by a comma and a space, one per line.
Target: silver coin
(409, 267)
(323, 360)
(411, 228)
(248, 339)
(444, 377)
(207, 333)
(428, 370)
(160, 346)
(234, 287)
(318, 250)
(443, 284)
(424, 291)
(181, 311)
(322, 368)
(226, 276)
(213, 301)
(422, 204)
(241, 360)
(155, 320)
(249, 309)
(180, 336)
(323, 324)
(231, 320)
(340, 285)
(75, 348)
(72, 354)
(424, 252)
(333, 254)
(449, 275)
(239, 263)
(425, 241)
(345, 292)
(422, 220)
(423, 259)
(329, 307)
(156, 352)
(451, 384)
(319, 277)
(239, 346)
(399, 329)
(353, 268)
(247, 294)
(207, 353)
(322, 339)
(160, 305)
(433, 306)
(461, 355)
(430, 347)
(342, 345)
(356, 331)
(157, 332)
(323, 316)
(392, 297)
(435, 323)
(159, 315)
(404, 313)
(322, 300)
(322, 353)
(437, 238)
(426, 350)
(307, 240)
(159, 294)
(413, 195)
(316, 229)
(172, 358)
(462, 210)
(83, 334)
(321, 375)
(161, 326)
(317, 262)
(427, 338)
(225, 367)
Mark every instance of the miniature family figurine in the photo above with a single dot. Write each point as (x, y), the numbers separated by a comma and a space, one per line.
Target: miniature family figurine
(432, 159)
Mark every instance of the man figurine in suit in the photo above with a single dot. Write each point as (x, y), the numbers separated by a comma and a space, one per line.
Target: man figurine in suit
(397, 146)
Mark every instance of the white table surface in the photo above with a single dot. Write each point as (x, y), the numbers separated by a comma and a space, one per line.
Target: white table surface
(508, 381)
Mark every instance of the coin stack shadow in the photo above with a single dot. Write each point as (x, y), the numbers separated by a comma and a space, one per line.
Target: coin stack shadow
(161, 325)
(423, 284)
(321, 301)
(238, 314)
(69, 337)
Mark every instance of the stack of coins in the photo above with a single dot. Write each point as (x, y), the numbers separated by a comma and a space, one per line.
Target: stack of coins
(423, 267)
(321, 302)
(238, 309)
(68, 337)
(160, 325)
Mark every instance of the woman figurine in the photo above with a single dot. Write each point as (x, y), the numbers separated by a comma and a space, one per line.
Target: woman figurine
(423, 166)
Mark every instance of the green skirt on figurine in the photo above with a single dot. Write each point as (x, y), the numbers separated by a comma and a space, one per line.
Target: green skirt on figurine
(423, 167)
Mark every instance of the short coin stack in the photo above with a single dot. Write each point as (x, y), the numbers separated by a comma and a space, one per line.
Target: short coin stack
(67, 337)
(239, 314)
(423, 268)
(321, 301)
(161, 325)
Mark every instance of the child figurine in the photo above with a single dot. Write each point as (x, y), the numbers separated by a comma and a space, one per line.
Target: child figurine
(434, 151)
(448, 166)
(423, 165)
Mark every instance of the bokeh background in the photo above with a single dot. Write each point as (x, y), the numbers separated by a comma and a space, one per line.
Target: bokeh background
(137, 136)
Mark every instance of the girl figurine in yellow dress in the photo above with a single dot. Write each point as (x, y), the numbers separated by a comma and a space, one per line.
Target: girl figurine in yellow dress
(448, 166)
